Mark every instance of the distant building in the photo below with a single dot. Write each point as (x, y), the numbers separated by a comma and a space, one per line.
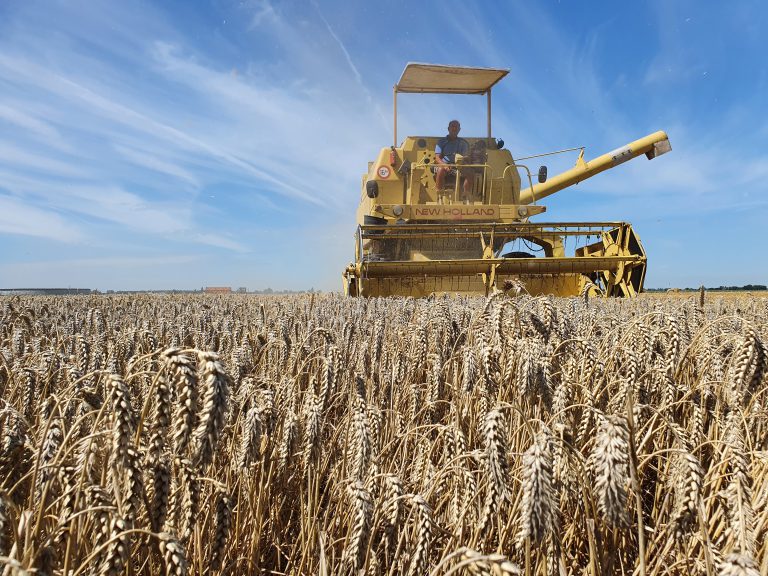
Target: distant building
(242, 290)
(217, 290)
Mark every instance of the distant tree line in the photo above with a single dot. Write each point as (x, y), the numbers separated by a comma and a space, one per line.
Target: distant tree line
(271, 291)
(745, 288)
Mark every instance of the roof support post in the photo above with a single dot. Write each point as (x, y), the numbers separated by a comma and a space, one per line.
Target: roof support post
(394, 95)
(489, 113)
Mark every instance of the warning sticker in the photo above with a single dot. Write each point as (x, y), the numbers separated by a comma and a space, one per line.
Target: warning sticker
(384, 172)
(621, 155)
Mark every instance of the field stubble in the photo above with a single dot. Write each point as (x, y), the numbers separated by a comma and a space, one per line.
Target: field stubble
(323, 435)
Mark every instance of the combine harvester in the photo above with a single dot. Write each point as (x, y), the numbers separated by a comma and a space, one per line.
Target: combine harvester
(414, 239)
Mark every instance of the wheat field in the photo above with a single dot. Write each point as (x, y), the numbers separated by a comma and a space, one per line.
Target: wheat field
(313, 434)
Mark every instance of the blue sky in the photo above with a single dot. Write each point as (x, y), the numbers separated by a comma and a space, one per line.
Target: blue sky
(183, 144)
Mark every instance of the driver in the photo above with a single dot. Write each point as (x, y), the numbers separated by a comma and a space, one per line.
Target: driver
(446, 151)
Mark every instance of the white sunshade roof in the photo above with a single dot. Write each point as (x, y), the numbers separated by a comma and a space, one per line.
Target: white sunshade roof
(441, 79)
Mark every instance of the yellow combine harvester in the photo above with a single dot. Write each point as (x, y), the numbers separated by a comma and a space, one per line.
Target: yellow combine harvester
(414, 239)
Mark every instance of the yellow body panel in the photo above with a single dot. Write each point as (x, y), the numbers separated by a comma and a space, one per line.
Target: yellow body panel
(535, 285)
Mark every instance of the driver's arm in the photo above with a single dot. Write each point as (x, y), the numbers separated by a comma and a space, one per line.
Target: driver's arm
(439, 155)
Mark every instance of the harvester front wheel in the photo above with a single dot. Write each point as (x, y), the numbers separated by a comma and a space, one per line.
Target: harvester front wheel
(351, 287)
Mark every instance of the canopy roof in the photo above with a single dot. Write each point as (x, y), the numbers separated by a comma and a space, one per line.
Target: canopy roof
(441, 79)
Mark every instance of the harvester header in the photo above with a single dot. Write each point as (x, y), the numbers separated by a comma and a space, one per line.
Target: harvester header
(459, 223)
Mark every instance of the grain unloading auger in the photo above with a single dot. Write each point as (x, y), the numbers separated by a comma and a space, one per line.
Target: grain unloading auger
(414, 239)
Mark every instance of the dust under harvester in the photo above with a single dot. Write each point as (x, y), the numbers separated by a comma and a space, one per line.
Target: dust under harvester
(414, 239)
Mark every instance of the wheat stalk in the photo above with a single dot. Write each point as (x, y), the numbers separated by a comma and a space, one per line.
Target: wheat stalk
(611, 468)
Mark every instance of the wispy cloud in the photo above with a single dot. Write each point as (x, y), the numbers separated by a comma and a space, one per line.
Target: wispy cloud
(37, 162)
(134, 262)
(338, 41)
(261, 11)
(129, 210)
(157, 165)
(129, 118)
(676, 61)
(347, 56)
(220, 241)
(42, 130)
(17, 217)
(278, 127)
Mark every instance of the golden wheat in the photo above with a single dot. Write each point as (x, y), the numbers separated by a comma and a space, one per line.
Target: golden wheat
(192, 434)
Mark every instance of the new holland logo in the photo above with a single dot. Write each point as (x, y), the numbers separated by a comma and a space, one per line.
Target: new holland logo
(456, 212)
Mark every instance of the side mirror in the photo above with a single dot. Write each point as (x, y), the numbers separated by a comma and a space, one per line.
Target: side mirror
(542, 174)
(372, 188)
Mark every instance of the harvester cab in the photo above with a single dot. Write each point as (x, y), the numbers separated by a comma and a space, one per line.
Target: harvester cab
(415, 239)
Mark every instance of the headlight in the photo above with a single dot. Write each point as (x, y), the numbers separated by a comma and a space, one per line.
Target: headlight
(522, 211)
(397, 210)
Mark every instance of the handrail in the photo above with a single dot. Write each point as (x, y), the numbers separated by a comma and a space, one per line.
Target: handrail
(431, 165)
(530, 180)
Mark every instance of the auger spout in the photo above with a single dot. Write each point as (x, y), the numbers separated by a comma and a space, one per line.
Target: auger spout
(652, 145)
